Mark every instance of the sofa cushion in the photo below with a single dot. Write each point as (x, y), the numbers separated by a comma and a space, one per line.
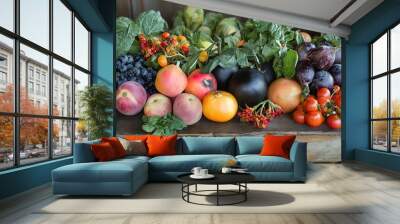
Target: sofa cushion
(249, 144)
(185, 163)
(83, 152)
(103, 152)
(277, 145)
(208, 145)
(161, 145)
(112, 171)
(257, 163)
(116, 145)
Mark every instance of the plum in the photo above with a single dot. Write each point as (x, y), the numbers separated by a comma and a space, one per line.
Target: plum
(323, 57)
(322, 79)
(336, 71)
(303, 50)
(338, 56)
(305, 72)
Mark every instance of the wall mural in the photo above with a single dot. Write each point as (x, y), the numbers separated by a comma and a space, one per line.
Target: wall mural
(213, 74)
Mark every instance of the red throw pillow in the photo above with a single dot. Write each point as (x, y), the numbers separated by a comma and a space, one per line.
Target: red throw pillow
(103, 151)
(161, 145)
(277, 145)
(116, 145)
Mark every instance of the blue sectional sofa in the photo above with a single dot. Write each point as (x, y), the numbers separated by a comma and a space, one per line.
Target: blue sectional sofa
(125, 176)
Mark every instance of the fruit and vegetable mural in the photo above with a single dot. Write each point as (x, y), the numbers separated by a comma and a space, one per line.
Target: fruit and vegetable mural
(207, 66)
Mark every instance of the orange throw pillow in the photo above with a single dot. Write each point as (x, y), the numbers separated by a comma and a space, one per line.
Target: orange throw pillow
(161, 145)
(116, 145)
(103, 152)
(136, 137)
(277, 145)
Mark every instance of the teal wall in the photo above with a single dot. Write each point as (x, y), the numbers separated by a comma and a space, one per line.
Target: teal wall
(356, 86)
(99, 15)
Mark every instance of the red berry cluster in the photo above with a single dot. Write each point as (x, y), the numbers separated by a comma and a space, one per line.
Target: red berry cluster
(148, 48)
(261, 114)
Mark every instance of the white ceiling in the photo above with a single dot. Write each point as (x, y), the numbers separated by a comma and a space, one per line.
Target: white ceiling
(326, 16)
(320, 9)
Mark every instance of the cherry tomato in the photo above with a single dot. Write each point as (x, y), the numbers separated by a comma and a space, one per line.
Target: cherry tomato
(185, 48)
(337, 99)
(323, 100)
(164, 44)
(203, 56)
(300, 107)
(165, 35)
(181, 38)
(162, 60)
(298, 116)
(310, 104)
(334, 121)
(314, 118)
(323, 92)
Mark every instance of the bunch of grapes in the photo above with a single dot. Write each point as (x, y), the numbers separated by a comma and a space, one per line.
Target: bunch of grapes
(261, 114)
(133, 68)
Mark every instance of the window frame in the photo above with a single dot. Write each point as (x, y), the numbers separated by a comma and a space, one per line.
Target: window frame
(388, 74)
(16, 114)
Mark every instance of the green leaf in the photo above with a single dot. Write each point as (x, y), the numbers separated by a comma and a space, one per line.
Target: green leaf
(151, 22)
(268, 52)
(211, 19)
(166, 125)
(127, 30)
(289, 63)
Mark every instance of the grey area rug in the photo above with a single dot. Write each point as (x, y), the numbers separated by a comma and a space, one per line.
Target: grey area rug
(166, 198)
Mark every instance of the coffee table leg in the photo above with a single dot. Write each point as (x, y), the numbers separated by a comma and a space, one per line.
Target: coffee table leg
(245, 193)
(195, 189)
(217, 194)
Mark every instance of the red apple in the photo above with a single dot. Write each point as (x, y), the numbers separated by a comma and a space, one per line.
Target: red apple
(199, 84)
(188, 108)
(157, 105)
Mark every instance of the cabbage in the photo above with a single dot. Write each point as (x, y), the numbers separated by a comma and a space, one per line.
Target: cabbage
(193, 17)
(228, 29)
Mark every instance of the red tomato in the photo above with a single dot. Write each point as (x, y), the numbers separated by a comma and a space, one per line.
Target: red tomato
(334, 121)
(314, 118)
(165, 35)
(300, 107)
(323, 100)
(337, 99)
(298, 116)
(323, 92)
(310, 104)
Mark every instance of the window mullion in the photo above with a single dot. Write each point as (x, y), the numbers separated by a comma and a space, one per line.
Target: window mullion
(73, 82)
(389, 104)
(50, 80)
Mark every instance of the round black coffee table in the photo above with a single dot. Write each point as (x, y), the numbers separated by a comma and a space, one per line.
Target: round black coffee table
(238, 179)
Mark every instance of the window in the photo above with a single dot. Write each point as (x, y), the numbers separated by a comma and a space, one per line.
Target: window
(7, 14)
(385, 94)
(41, 124)
(30, 87)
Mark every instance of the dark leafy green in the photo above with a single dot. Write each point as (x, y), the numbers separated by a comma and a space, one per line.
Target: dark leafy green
(151, 22)
(285, 65)
(126, 31)
(165, 125)
(148, 23)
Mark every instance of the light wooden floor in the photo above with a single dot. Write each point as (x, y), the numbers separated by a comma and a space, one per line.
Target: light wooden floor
(379, 189)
